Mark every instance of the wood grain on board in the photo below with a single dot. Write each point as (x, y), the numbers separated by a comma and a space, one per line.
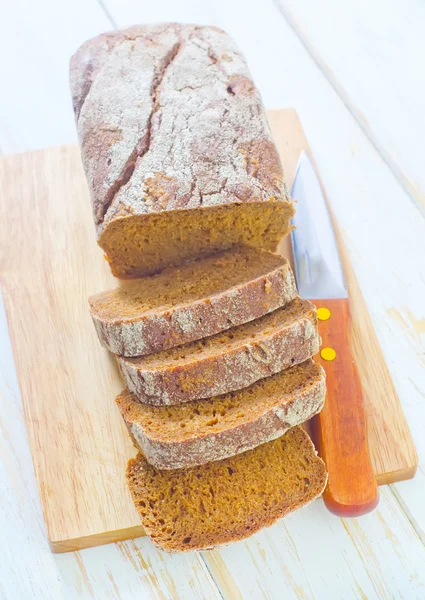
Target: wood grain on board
(50, 265)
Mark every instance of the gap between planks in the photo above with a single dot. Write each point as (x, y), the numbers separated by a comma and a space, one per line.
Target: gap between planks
(107, 14)
(405, 509)
(354, 112)
(223, 586)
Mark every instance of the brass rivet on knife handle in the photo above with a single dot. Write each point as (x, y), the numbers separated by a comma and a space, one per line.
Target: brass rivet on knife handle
(323, 313)
(328, 353)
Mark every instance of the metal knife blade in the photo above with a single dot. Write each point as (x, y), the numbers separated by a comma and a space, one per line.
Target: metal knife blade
(317, 264)
(340, 428)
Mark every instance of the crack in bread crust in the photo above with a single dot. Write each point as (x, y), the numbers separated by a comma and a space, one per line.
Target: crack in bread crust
(144, 143)
(197, 123)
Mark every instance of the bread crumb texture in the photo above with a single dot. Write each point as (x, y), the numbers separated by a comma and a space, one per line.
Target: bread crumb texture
(176, 147)
(195, 433)
(144, 245)
(227, 361)
(191, 281)
(196, 299)
(227, 500)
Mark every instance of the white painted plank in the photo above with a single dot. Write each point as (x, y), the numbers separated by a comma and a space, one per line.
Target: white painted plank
(135, 569)
(28, 569)
(373, 52)
(37, 40)
(312, 555)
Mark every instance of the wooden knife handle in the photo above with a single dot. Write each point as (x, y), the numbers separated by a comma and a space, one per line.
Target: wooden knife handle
(340, 429)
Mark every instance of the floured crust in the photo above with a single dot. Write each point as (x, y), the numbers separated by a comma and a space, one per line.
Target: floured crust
(229, 361)
(197, 313)
(168, 118)
(193, 434)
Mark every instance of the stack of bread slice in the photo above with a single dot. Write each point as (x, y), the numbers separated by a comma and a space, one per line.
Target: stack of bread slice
(214, 345)
(217, 368)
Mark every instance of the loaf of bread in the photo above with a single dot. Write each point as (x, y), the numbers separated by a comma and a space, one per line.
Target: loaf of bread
(227, 361)
(186, 303)
(212, 340)
(227, 500)
(186, 435)
(176, 147)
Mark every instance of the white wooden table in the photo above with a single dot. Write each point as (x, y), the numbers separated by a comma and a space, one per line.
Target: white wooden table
(354, 72)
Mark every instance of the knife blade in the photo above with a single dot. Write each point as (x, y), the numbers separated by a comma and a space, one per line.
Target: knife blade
(340, 428)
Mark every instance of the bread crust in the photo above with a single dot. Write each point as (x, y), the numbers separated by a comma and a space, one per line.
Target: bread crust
(230, 367)
(168, 326)
(205, 446)
(168, 118)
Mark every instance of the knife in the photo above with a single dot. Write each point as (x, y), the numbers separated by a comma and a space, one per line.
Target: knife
(340, 428)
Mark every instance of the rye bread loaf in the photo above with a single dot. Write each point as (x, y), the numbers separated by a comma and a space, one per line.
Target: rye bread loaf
(226, 500)
(176, 147)
(227, 361)
(186, 435)
(195, 300)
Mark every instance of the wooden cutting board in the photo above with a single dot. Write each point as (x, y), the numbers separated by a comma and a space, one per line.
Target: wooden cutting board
(49, 266)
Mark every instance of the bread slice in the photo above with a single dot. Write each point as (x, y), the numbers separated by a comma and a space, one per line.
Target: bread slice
(186, 435)
(197, 299)
(227, 361)
(227, 500)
